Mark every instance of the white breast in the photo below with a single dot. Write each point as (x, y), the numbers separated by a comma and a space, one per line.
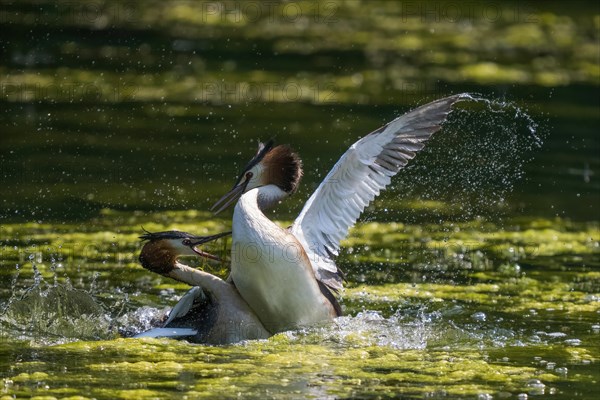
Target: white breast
(271, 271)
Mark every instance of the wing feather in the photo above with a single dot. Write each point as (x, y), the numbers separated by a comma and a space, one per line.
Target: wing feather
(357, 178)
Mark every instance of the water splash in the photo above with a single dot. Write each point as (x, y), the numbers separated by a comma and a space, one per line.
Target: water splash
(140, 320)
(371, 328)
(50, 313)
(474, 162)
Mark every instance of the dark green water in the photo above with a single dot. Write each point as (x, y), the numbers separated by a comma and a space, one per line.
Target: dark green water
(476, 275)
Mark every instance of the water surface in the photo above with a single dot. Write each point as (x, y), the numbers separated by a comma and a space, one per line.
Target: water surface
(476, 275)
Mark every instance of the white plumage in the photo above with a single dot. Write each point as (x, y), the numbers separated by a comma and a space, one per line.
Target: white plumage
(357, 178)
(286, 293)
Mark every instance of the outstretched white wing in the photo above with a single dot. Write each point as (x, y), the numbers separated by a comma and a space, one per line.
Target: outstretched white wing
(357, 178)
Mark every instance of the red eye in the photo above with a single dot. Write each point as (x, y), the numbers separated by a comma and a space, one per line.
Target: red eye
(249, 175)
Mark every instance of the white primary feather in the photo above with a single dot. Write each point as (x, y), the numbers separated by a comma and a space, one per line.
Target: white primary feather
(185, 304)
(357, 178)
(167, 332)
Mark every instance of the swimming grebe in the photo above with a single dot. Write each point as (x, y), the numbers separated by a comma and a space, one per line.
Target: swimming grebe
(212, 312)
(287, 275)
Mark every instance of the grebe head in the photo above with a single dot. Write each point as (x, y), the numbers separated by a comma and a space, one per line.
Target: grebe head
(162, 249)
(272, 165)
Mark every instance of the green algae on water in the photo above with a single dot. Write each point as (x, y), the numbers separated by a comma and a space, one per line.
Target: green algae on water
(464, 308)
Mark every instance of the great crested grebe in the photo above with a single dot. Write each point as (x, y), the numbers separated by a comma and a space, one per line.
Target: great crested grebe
(212, 312)
(287, 275)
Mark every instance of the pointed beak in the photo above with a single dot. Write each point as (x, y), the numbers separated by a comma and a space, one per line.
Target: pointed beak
(199, 240)
(230, 197)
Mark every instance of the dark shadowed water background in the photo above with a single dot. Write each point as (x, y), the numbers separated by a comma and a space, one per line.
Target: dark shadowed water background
(475, 275)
